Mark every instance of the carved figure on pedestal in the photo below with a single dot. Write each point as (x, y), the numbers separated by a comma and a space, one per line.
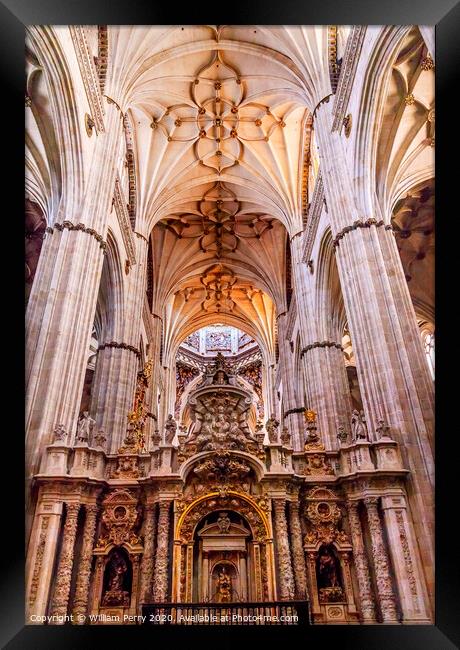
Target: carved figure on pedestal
(328, 576)
(271, 426)
(116, 592)
(170, 429)
(85, 427)
(59, 433)
(358, 426)
(224, 586)
(342, 435)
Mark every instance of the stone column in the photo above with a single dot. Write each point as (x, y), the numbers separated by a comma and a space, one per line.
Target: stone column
(323, 363)
(393, 374)
(66, 558)
(118, 361)
(80, 601)
(286, 578)
(411, 589)
(41, 554)
(298, 557)
(148, 557)
(381, 563)
(60, 312)
(160, 578)
(293, 393)
(366, 598)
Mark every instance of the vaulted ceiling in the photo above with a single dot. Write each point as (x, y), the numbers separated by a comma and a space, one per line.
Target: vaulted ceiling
(220, 117)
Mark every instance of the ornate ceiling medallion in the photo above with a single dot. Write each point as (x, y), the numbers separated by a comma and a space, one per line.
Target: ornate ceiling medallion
(218, 121)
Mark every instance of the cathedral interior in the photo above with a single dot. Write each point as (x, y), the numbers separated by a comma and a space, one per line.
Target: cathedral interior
(230, 322)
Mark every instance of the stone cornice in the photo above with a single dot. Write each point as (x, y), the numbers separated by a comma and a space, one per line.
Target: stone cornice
(124, 222)
(359, 224)
(121, 346)
(314, 214)
(89, 75)
(347, 74)
(68, 225)
(320, 344)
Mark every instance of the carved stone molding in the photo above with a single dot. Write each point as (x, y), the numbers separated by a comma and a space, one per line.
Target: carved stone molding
(124, 222)
(359, 224)
(121, 346)
(89, 75)
(381, 562)
(407, 555)
(80, 601)
(286, 576)
(300, 574)
(320, 344)
(160, 579)
(314, 214)
(68, 225)
(148, 556)
(347, 74)
(64, 569)
(38, 561)
(366, 597)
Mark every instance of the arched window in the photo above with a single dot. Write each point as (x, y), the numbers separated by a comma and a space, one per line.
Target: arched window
(428, 344)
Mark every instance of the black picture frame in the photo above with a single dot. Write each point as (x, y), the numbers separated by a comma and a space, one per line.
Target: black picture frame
(14, 15)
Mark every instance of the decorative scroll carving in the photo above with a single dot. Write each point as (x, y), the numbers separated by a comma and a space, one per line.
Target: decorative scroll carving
(68, 225)
(366, 598)
(134, 441)
(223, 472)
(323, 515)
(38, 561)
(80, 600)
(64, 570)
(286, 577)
(320, 344)
(119, 518)
(381, 563)
(231, 501)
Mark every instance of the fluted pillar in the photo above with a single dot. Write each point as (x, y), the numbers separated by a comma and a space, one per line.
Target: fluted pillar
(323, 363)
(60, 312)
(286, 577)
(385, 592)
(65, 564)
(160, 577)
(366, 598)
(293, 391)
(148, 556)
(117, 362)
(393, 374)
(80, 601)
(298, 557)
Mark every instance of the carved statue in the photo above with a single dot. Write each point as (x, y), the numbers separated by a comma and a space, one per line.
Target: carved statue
(170, 428)
(342, 434)
(85, 427)
(223, 523)
(59, 433)
(285, 436)
(224, 586)
(327, 570)
(272, 425)
(383, 430)
(115, 595)
(358, 426)
(220, 378)
(100, 438)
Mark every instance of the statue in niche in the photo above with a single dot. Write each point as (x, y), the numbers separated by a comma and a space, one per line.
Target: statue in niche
(358, 426)
(170, 429)
(85, 427)
(271, 426)
(327, 569)
(221, 425)
(116, 594)
(224, 586)
(223, 523)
